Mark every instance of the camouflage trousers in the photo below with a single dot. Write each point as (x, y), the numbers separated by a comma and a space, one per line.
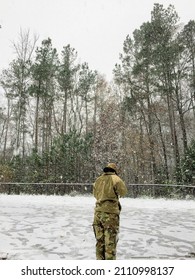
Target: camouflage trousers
(106, 228)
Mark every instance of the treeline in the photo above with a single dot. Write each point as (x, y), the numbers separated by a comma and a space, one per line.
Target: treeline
(60, 121)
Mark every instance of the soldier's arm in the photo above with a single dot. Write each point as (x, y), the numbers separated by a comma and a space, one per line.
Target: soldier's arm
(121, 188)
(94, 190)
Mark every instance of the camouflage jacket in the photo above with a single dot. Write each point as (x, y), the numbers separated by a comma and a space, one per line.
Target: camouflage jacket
(107, 189)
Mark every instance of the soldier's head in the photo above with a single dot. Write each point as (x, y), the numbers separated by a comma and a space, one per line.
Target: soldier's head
(111, 167)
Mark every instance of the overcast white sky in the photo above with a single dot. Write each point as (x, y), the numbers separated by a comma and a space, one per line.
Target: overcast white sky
(95, 28)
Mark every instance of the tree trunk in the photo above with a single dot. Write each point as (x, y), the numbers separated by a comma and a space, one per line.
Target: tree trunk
(64, 118)
(36, 123)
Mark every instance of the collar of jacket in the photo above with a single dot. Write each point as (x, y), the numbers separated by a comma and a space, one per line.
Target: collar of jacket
(109, 173)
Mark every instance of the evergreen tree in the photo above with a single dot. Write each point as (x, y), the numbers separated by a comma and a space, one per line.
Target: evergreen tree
(188, 164)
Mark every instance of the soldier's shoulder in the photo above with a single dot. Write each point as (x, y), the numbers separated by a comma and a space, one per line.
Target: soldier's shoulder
(115, 178)
(99, 178)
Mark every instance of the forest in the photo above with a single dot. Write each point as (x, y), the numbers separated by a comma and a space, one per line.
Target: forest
(60, 121)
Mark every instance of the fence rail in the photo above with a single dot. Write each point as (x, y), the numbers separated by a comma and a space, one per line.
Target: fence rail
(45, 188)
(161, 190)
(134, 190)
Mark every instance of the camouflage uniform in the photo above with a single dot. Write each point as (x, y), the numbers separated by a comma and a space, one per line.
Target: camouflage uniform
(106, 227)
(107, 190)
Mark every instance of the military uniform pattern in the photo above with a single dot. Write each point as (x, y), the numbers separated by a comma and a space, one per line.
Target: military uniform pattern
(106, 228)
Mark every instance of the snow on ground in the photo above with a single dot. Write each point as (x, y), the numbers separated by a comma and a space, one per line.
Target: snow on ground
(60, 227)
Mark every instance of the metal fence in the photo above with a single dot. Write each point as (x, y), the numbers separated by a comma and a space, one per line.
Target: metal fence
(46, 188)
(161, 190)
(134, 190)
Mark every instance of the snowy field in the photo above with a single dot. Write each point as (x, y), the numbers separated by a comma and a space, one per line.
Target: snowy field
(56, 227)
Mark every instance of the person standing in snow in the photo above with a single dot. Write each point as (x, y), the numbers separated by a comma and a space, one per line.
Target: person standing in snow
(107, 190)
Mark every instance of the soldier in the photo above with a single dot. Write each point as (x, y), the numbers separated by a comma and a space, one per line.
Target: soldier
(107, 189)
